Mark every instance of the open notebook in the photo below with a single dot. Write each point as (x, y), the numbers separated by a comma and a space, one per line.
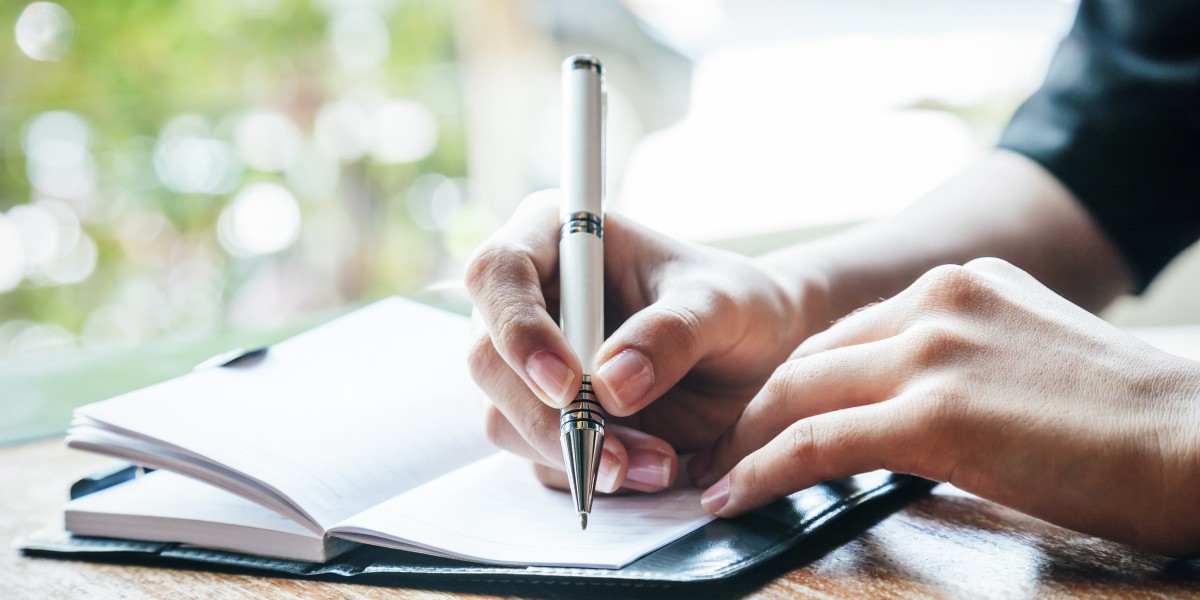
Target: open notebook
(364, 430)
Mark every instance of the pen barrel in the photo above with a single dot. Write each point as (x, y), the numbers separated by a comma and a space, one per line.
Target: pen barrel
(583, 135)
(581, 249)
(581, 291)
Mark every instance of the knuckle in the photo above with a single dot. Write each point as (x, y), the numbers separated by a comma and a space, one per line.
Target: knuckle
(515, 322)
(990, 264)
(496, 271)
(792, 380)
(505, 289)
(938, 276)
(941, 404)
(754, 472)
(936, 344)
(681, 325)
(802, 443)
(955, 288)
(782, 382)
(481, 264)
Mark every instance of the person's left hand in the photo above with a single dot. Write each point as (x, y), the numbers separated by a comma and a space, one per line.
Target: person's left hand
(980, 376)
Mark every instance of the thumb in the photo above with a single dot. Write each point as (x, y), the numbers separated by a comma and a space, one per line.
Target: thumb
(657, 346)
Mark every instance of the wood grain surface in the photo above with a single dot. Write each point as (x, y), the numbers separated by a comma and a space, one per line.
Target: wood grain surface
(947, 545)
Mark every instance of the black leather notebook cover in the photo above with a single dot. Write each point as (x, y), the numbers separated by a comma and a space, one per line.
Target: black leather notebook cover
(719, 550)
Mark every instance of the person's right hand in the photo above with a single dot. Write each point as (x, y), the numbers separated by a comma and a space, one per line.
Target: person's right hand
(693, 334)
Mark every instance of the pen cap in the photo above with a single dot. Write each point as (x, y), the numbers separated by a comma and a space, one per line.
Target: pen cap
(583, 114)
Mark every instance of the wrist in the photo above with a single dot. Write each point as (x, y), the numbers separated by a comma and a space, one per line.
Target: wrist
(1187, 427)
(1174, 391)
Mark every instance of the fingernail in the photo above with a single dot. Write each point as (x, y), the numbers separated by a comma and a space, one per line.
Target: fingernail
(551, 375)
(699, 464)
(716, 497)
(628, 376)
(650, 468)
(606, 479)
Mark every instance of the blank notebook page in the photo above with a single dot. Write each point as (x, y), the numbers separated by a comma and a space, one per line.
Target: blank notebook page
(163, 506)
(495, 510)
(338, 419)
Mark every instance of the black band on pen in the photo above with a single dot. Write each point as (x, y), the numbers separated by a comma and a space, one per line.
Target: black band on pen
(582, 222)
(584, 412)
(584, 61)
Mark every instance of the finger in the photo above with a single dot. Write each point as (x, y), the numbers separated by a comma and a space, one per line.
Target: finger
(513, 407)
(505, 278)
(630, 459)
(553, 478)
(653, 464)
(873, 322)
(516, 421)
(800, 388)
(501, 433)
(947, 289)
(613, 458)
(653, 349)
(828, 446)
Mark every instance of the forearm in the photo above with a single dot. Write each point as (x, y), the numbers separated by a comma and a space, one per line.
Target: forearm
(1005, 206)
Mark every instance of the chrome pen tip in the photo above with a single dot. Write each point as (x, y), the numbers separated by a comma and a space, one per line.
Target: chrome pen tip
(583, 520)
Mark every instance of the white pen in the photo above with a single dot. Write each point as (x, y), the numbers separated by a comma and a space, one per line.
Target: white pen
(581, 266)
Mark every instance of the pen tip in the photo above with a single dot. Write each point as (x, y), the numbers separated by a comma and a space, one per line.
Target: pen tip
(583, 520)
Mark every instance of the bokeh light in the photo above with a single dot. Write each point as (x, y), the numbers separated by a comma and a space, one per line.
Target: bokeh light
(39, 232)
(210, 166)
(313, 174)
(44, 31)
(59, 161)
(360, 38)
(343, 129)
(56, 250)
(267, 141)
(433, 200)
(73, 265)
(189, 160)
(405, 131)
(262, 219)
(34, 339)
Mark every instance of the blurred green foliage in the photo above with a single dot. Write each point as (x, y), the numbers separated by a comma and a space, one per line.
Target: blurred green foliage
(164, 271)
(135, 65)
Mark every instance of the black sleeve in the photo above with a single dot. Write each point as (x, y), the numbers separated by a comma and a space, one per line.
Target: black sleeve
(1117, 121)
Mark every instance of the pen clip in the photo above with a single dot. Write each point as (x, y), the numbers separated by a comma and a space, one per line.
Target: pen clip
(107, 478)
(240, 357)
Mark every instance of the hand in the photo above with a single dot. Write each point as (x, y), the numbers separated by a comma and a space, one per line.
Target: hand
(980, 376)
(693, 333)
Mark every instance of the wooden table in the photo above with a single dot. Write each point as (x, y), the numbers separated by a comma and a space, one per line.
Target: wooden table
(945, 545)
